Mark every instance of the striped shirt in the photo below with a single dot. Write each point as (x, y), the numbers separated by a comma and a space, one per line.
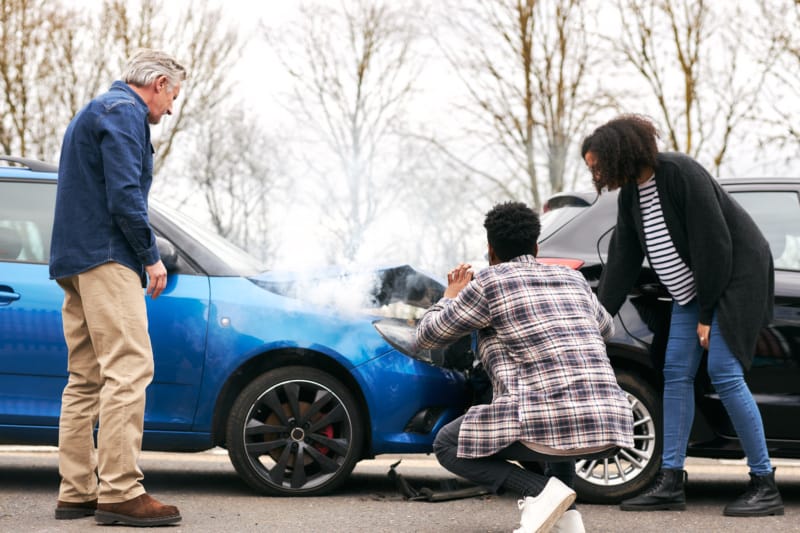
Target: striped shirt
(668, 265)
(540, 338)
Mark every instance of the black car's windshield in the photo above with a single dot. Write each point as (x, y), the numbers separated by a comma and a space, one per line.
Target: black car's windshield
(226, 252)
(556, 218)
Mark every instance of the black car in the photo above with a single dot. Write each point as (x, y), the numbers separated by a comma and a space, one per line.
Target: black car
(576, 230)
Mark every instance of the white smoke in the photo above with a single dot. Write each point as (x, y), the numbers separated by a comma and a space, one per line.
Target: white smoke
(348, 293)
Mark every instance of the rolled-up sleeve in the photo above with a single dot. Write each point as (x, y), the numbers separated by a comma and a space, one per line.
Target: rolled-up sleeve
(452, 318)
(625, 257)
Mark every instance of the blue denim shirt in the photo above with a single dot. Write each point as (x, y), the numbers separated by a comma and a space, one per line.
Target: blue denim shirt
(104, 177)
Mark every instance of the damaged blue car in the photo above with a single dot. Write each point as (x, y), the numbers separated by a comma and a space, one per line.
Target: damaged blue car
(298, 375)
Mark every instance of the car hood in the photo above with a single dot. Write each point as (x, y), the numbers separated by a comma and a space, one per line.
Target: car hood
(385, 290)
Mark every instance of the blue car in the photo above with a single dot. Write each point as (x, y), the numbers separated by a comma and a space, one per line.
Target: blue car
(298, 375)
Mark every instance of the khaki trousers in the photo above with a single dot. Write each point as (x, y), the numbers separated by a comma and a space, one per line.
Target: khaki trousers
(110, 365)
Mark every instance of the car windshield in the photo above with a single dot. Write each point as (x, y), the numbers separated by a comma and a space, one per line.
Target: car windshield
(555, 218)
(225, 250)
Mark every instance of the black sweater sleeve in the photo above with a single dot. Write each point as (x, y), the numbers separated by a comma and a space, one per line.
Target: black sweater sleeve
(625, 256)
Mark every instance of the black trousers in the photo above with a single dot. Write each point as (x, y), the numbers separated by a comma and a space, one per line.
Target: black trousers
(492, 471)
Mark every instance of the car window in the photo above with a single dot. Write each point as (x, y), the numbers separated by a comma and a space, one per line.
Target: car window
(777, 213)
(229, 253)
(26, 221)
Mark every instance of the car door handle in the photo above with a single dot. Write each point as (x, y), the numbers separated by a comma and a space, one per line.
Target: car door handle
(7, 295)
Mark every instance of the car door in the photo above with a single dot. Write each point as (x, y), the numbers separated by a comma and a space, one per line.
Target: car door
(33, 357)
(774, 377)
(178, 326)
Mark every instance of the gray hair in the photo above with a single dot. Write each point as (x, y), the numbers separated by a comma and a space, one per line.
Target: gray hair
(146, 65)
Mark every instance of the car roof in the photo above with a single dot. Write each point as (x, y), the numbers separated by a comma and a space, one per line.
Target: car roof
(570, 198)
(757, 181)
(16, 167)
(587, 198)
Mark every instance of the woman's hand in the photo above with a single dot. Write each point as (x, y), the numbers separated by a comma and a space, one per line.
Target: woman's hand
(703, 332)
(457, 279)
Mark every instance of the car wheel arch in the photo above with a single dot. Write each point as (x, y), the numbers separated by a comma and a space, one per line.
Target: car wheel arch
(637, 362)
(642, 385)
(272, 360)
(295, 431)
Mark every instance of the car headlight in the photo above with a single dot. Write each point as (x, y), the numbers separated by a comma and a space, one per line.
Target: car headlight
(401, 335)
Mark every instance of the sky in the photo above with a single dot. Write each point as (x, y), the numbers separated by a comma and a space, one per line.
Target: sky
(261, 77)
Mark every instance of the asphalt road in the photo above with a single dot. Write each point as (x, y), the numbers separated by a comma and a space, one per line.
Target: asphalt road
(213, 499)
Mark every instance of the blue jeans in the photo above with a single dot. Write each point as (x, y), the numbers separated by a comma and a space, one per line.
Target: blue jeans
(680, 367)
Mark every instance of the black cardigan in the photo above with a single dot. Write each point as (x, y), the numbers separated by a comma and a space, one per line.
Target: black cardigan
(729, 257)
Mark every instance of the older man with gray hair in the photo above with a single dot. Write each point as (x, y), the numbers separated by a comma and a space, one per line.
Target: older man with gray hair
(102, 254)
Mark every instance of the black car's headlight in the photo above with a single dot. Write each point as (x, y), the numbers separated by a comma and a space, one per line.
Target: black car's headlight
(401, 335)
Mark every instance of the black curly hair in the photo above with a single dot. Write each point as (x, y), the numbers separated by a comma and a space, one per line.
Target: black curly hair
(512, 229)
(623, 147)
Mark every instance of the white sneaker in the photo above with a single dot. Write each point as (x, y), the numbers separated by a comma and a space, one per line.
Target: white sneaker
(540, 513)
(570, 522)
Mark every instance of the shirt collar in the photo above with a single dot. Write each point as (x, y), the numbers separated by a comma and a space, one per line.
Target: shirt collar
(648, 181)
(525, 258)
(122, 86)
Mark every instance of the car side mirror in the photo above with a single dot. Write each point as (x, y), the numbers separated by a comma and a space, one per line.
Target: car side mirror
(169, 255)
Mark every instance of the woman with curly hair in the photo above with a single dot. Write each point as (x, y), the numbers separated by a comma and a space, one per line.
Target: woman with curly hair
(716, 265)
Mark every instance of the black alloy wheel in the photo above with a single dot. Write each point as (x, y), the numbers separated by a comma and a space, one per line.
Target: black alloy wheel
(295, 431)
(625, 474)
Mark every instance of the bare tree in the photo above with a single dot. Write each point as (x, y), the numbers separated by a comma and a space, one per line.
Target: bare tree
(526, 65)
(54, 58)
(239, 187)
(780, 22)
(692, 56)
(449, 221)
(28, 58)
(353, 68)
(84, 68)
(198, 36)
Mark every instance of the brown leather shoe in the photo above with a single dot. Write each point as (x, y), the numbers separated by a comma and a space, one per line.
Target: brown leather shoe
(70, 510)
(140, 511)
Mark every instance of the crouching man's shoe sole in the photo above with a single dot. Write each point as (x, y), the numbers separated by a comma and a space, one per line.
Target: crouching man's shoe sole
(540, 513)
(570, 522)
(142, 511)
(72, 510)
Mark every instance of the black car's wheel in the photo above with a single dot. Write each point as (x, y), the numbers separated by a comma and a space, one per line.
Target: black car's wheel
(625, 474)
(295, 431)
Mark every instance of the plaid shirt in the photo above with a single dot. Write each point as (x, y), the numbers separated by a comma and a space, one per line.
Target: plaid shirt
(540, 339)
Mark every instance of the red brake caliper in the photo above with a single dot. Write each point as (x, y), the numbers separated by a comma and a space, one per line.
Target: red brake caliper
(328, 432)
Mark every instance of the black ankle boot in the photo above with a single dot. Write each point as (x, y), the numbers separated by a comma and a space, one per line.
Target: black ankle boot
(760, 499)
(665, 494)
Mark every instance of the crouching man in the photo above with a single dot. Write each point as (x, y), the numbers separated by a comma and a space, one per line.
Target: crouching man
(555, 397)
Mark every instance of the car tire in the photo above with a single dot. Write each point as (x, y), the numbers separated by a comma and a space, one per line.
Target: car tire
(625, 474)
(295, 431)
